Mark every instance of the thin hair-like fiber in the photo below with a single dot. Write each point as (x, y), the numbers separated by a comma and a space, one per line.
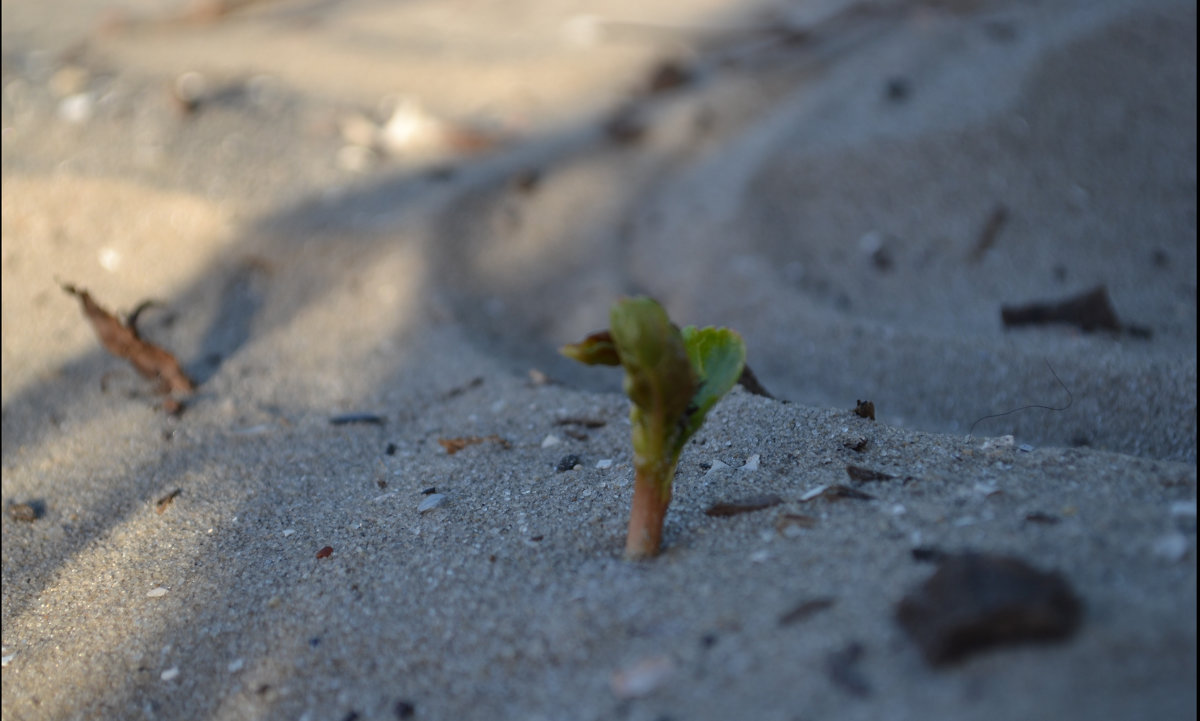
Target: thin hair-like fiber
(1070, 402)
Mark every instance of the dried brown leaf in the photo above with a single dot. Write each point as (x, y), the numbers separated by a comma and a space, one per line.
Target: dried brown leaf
(454, 445)
(123, 341)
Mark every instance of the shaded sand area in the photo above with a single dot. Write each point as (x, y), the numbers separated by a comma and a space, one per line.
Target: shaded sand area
(391, 215)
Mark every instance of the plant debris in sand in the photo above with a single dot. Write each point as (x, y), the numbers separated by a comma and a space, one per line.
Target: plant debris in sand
(123, 340)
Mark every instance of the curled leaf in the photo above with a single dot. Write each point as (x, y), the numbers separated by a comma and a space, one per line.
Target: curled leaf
(597, 349)
(123, 341)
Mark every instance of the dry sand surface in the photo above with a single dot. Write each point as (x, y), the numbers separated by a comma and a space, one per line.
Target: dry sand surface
(401, 210)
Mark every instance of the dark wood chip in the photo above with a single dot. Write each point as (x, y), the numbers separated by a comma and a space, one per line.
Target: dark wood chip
(1039, 517)
(743, 505)
(473, 383)
(167, 500)
(749, 381)
(864, 409)
(25, 512)
(1090, 311)
(584, 421)
(366, 419)
(805, 610)
(974, 602)
(865, 475)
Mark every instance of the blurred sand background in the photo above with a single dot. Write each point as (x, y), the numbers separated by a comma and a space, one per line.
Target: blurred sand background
(405, 208)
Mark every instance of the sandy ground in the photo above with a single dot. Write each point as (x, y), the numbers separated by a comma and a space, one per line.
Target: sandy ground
(404, 209)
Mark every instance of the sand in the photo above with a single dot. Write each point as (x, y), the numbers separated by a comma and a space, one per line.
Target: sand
(403, 211)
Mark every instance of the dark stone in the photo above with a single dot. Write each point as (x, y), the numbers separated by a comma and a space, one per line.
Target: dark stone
(568, 462)
(974, 602)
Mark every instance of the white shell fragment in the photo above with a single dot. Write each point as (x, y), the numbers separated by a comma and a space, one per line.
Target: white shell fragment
(156, 592)
(170, 674)
(551, 440)
(431, 502)
(813, 493)
(236, 665)
(751, 463)
(642, 677)
(718, 466)
(604, 463)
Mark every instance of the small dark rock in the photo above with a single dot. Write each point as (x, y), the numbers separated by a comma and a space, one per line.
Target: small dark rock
(974, 602)
(404, 709)
(568, 462)
(390, 449)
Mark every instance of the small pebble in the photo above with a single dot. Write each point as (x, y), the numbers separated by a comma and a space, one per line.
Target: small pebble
(751, 463)
(288, 531)
(551, 440)
(431, 502)
(643, 677)
(157, 592)
(568, 463)
(170, 674)
(4, 661)
(76, 108)
(605, 463)
(236, 665)
(1172, 547)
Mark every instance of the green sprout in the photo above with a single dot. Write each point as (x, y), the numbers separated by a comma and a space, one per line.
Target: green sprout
(673, 378)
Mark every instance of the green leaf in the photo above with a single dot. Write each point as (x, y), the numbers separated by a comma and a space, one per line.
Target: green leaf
(597, 349)
(717, 356)
(659, 379)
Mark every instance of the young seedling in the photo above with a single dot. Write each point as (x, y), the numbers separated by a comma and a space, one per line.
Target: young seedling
(673, 377)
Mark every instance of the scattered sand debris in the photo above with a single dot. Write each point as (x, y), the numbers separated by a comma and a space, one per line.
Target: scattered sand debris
(454, 445)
